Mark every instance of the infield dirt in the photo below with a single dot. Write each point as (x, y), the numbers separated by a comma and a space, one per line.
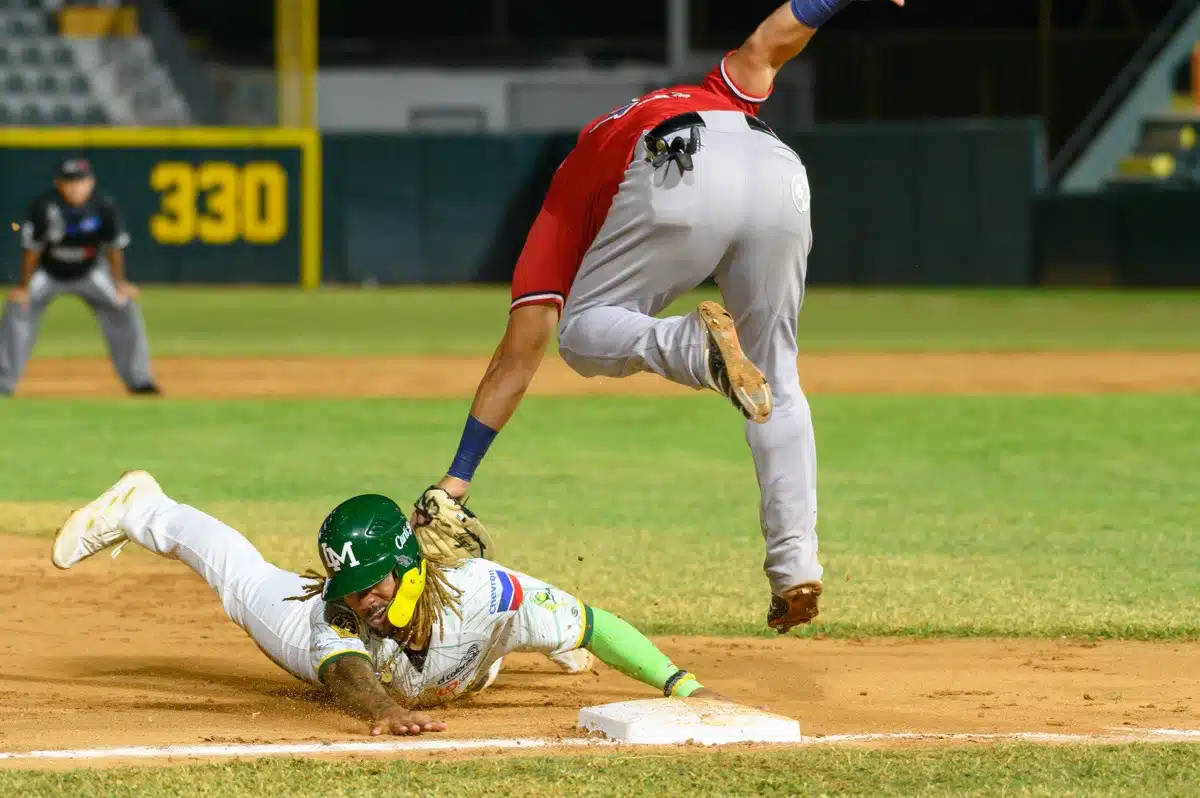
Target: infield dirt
(954, 373)
(138, 651)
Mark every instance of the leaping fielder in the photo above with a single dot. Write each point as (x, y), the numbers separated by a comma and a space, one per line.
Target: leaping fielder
(679, 185)
(396, 623)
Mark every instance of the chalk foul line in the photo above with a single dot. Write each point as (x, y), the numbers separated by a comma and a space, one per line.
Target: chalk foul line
(255, 750)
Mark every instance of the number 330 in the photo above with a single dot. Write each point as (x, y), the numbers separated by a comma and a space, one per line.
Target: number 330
(249, 203)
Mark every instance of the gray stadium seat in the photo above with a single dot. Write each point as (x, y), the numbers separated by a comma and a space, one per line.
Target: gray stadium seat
(63, 115)
(78, 84)
(26, 23)
(95, 116)
(31, 114)
(6, 55)
(31, 55)
(64, 56)
(47, 83)
(15, 83)
(7, 117)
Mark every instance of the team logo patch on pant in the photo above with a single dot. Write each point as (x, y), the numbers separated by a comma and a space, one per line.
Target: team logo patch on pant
(506, 592)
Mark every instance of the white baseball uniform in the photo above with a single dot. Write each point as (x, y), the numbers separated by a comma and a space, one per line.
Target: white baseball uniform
(503, 610)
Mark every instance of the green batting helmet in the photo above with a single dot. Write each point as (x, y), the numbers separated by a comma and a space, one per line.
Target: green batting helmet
(363, 540)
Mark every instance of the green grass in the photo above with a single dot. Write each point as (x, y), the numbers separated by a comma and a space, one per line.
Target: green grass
(939, 515)
(469, 320)
(1017, 770)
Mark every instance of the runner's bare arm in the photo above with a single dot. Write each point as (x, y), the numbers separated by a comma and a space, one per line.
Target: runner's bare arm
(352, 682)
(780, 38)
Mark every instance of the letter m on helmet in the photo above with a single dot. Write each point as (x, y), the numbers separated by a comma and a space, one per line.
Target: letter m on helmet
(361, 542)
(335, 559)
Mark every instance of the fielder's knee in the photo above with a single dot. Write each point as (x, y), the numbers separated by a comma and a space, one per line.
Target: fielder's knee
(571, 339)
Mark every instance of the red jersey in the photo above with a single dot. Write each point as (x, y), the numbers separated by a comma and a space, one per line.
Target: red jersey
(586, 182)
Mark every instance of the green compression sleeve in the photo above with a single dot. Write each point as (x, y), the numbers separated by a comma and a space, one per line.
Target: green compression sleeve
(619, 645)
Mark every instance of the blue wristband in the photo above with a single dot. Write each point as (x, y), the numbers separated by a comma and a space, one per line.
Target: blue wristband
(473, 445)
(815, 13)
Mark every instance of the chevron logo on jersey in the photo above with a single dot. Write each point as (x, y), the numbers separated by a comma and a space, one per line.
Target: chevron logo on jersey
(506, 592)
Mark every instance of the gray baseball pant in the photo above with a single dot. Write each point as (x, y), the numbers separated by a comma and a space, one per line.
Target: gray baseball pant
(742, 216)
(121, 320)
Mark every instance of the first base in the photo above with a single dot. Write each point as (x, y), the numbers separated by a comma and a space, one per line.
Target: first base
(669, 721)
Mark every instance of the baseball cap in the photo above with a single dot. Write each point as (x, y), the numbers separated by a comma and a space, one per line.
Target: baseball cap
(74, 169)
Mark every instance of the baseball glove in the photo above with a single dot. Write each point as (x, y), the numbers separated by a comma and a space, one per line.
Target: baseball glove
(448, 530)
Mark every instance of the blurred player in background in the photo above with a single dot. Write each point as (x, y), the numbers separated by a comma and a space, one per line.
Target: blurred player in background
(677, 186)
(74, 243)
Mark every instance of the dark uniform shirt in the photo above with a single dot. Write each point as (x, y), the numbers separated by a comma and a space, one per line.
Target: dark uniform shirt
(70, 239)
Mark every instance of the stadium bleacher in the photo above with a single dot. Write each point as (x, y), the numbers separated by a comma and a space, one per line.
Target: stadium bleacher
(1168, 150)
(82, 62)
(41, 81)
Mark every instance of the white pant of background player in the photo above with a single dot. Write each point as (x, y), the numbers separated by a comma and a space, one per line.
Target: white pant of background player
(121, 320)
(741, 216)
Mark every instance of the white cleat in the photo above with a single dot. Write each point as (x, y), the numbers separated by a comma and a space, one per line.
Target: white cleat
(97, 525)
(576, 661)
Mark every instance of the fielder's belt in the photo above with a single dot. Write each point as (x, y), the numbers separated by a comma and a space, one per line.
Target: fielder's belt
(659, 151)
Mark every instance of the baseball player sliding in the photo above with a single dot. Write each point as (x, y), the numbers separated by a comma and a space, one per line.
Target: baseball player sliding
(679, 185)
(402, 618)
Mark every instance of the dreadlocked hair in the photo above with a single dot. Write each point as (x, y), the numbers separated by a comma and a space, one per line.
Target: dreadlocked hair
(438, 597)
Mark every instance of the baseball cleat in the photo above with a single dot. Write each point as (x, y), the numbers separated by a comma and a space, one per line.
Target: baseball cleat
(795, 607)
(97, 525)
(576, 661)
(729, 371)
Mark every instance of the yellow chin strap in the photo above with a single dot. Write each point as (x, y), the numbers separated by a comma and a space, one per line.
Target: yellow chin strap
(412, 585)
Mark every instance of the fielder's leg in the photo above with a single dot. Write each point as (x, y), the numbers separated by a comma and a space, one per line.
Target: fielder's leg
(124, 328)
(19, 329)
(763, 287)
(664, 235)
(251, 590)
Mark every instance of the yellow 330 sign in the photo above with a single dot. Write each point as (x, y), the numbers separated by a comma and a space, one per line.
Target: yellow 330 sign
(218, 202)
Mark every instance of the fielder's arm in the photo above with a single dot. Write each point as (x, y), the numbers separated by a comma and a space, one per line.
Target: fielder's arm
(504, 384)
(780, 38)
(352, 682)
(116, 264)
(29, 265)
(118, 239)
(514, 363)
(33, 233)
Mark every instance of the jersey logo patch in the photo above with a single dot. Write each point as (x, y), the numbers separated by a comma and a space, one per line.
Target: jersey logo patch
(454, 677)
(800, 195)
(546, 600)
(506, 592)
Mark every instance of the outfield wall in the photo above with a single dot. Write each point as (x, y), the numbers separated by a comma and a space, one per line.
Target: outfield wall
(920, 204)
(932, 203)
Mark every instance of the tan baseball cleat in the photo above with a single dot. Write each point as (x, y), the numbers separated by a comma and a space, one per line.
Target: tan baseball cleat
(730, 372)
(795, 607)
(97, 525)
